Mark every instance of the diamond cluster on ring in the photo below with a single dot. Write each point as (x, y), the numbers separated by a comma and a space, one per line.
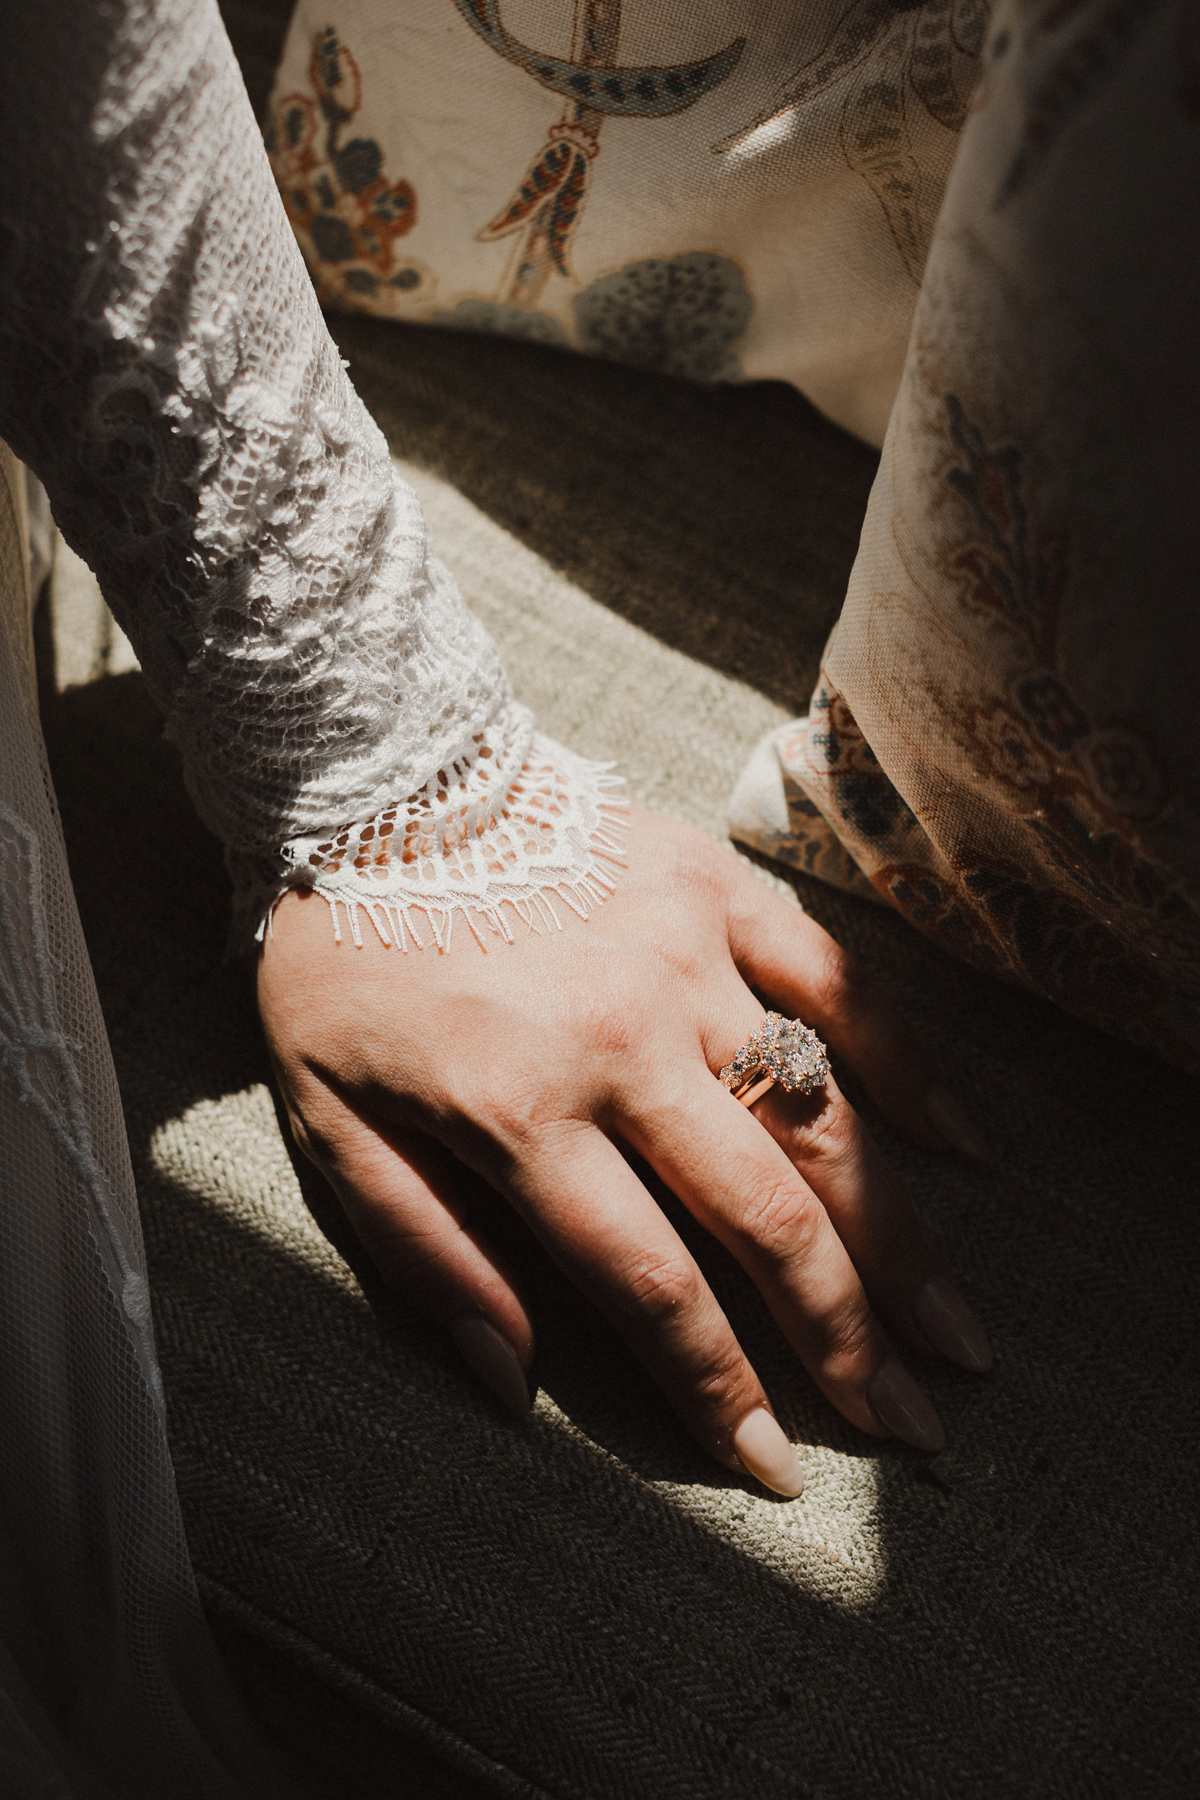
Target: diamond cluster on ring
(785, 1049)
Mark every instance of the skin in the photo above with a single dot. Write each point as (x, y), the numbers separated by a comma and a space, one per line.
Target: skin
(535, 1063)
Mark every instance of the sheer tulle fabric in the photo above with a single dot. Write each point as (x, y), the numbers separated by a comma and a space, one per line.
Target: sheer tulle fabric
(109, 1683)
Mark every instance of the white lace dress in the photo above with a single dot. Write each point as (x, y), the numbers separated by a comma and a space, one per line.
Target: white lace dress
(345, 725)
(344, 721)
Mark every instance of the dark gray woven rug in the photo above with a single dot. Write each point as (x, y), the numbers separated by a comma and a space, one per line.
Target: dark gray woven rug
(583, 1607)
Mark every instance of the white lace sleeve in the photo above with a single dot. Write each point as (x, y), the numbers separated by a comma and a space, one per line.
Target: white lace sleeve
(344, 721)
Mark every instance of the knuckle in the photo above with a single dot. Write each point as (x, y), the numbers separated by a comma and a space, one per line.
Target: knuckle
(683, 962)
(830, 1134)
(516, 1110)
(657, 1289)
(699, 869)
(782, 1219)
(615, 1035)
(513, 1125)
(715, 1377)
(848, 1334)
(614, 1025)
(317, 1141)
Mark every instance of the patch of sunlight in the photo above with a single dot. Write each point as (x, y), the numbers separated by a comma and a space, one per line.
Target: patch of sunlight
(772, 134)
(230, 1154)
(828, 1543)
(586, 672)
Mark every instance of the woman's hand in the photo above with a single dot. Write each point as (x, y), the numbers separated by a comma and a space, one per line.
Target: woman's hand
(535, 1063)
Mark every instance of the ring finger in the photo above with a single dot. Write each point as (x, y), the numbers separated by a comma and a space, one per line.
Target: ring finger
(901, 1268)
(741, 1185)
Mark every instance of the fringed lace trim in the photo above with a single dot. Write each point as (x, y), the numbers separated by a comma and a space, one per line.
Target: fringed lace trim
(506, 834)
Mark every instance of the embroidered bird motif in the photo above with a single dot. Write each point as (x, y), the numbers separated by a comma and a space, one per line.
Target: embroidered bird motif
(630, 93)
(892, 55)
(545, 211)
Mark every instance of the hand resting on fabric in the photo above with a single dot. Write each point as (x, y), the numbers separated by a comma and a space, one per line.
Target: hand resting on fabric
(535, 1063)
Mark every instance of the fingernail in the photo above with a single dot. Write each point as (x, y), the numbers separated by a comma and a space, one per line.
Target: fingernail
(948, 1118)
(951, 1327)
(766, 1453)
(492, 1358)
(903, 1408)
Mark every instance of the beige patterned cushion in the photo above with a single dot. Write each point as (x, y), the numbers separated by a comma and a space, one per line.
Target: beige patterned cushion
(724, 189)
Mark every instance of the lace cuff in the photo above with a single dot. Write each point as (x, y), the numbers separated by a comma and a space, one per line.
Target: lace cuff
(518, 823)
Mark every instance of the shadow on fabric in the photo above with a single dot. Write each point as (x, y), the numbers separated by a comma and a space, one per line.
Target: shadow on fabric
(723, 520)
(584, 1605)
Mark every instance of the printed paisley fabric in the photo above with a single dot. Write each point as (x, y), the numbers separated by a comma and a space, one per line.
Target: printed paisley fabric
(1006, 735)
(723, 189)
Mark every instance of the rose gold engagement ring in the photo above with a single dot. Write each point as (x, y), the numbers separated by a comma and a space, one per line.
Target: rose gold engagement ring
(781, 1050)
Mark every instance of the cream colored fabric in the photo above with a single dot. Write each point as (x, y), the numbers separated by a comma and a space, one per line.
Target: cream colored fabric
(88, 642)
(716, 189)
(1005, 737)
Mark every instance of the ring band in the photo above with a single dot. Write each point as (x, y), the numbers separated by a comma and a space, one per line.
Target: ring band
(782, 1050)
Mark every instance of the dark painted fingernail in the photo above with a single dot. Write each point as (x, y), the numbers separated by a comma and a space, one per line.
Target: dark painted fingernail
(899, 1404)
(951, 1122)
(951, 1327)
(492, 1358)
(766, 1453)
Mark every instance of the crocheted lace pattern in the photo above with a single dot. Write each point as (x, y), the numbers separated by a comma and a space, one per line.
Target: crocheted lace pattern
(165, 370)
(493, 838)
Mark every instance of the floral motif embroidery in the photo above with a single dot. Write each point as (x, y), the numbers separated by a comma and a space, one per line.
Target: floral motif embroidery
(1087, 914)
(1123, 770)
(1113, 771)
(1006, 750)
(894, 53)
(992, 914)
(996, 913)
(678, 315)
(829, 749)
(991, 485)
(1055, 716)
(545, 211)
(345, 212)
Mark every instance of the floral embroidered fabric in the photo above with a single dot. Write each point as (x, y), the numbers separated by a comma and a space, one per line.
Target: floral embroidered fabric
(721, 189)
(1004, 739)
(165, 370)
